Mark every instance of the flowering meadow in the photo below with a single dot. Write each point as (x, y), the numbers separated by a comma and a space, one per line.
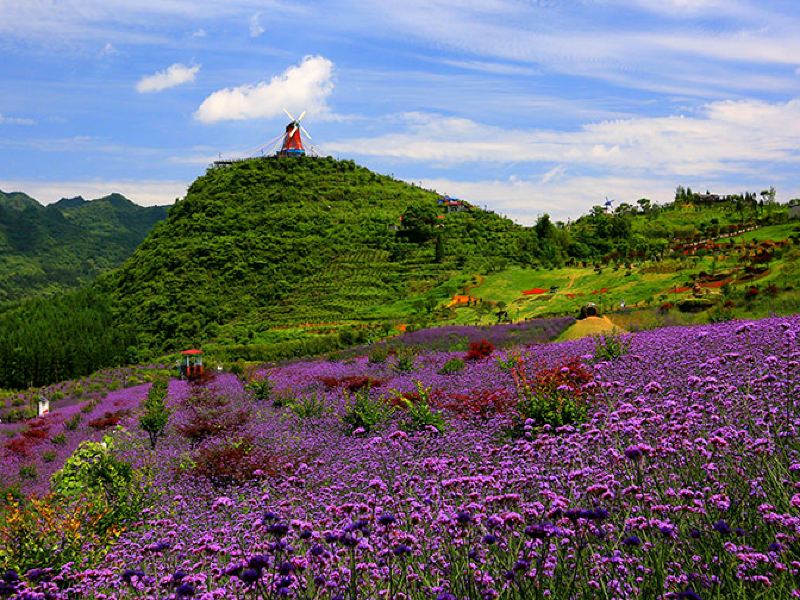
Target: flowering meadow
(670, 469)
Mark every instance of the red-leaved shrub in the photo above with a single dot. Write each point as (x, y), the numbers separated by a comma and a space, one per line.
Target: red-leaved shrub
(352, 383)
(480, 350)
(109, 419)
(483, 404)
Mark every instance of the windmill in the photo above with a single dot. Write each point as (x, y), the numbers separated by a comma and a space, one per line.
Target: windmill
(292, 142)
(608, 204)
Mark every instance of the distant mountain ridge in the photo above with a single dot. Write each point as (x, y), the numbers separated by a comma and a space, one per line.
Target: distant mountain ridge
(49, 248)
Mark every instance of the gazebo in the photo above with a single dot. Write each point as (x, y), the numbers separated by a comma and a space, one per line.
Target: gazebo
(191, 366)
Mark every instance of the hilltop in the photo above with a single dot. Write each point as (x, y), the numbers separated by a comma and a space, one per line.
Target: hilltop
(47, 249)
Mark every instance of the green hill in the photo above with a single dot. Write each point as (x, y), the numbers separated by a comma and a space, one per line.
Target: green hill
(46, 249)
(276, 242)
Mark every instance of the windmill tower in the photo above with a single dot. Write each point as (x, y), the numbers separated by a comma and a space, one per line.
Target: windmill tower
(292, 144)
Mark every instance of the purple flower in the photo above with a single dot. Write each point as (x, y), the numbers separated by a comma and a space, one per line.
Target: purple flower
(250, 575)
(185, 590)
(632, 540)
(722, 527)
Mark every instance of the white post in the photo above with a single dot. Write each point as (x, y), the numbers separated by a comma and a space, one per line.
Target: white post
(44, 406)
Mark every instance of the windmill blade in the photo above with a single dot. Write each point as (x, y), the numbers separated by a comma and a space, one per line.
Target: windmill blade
(308, 135)
(293, 131)
(300, 118)
(289, 114)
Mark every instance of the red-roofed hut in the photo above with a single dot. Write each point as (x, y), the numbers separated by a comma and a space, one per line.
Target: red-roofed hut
(191, 364)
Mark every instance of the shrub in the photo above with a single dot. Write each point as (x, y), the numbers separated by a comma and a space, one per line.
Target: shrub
(557, 396)
(59, 439)
(232, 462)
(109, 419)
(419, 414)
(282, 398)
(28, 472)
(351, 383)
(454, 365)
(48, 456)
(155, 416)
(405, 360)
(512, 360)
(207, 414)
(378, 354)
(666, 307)
(611, 346)
(95, 475)
(72, 423)
(308, 407)
(480, 350)
(483, 404)
(364, 412)
(260, 386)
(751, 293)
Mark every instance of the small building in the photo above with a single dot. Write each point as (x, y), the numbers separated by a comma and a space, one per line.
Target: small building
(452, 205)
(191, 366)
(794, 211)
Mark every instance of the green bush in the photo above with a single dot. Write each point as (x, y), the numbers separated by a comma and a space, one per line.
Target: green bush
(155, 415)
(364, 412)
(378, 354)
(611, 346)
(94, 475)
(261, 387)
(72, 423)
(28, 472)
(419, 414)
(406, 360)
(48, 456)
(308, 407)
(59, 439)
(454, 365)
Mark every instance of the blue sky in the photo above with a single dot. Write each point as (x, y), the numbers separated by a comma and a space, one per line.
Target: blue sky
(525, 107)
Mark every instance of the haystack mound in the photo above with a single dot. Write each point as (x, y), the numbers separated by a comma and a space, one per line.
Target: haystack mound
(589, 326)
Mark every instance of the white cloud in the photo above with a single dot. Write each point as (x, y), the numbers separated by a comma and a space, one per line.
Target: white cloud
(555, 173)
(199, 33)
(4, 120)
(108, 49)
(724, 137)
(145, 193)
(305, 86)
(172, 76)
(255, 26)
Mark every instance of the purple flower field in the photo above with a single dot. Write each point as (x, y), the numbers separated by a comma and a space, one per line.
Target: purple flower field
(683, 481)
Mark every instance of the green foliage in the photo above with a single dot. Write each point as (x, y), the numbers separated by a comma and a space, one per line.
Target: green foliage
(28, 472)
(511, 361)
(610, 346)
(419, 414)
(95, 475)
(405, 359)
(46, 340)
(309, 407)
(155, 415)
(261, 387)
(364, 412)
(454, 365)
(378, 353)
(72, 423)
(59, 439)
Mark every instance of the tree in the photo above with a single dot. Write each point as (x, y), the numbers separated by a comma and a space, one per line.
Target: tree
(439, 255)
(419, 222)
(156, 414)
